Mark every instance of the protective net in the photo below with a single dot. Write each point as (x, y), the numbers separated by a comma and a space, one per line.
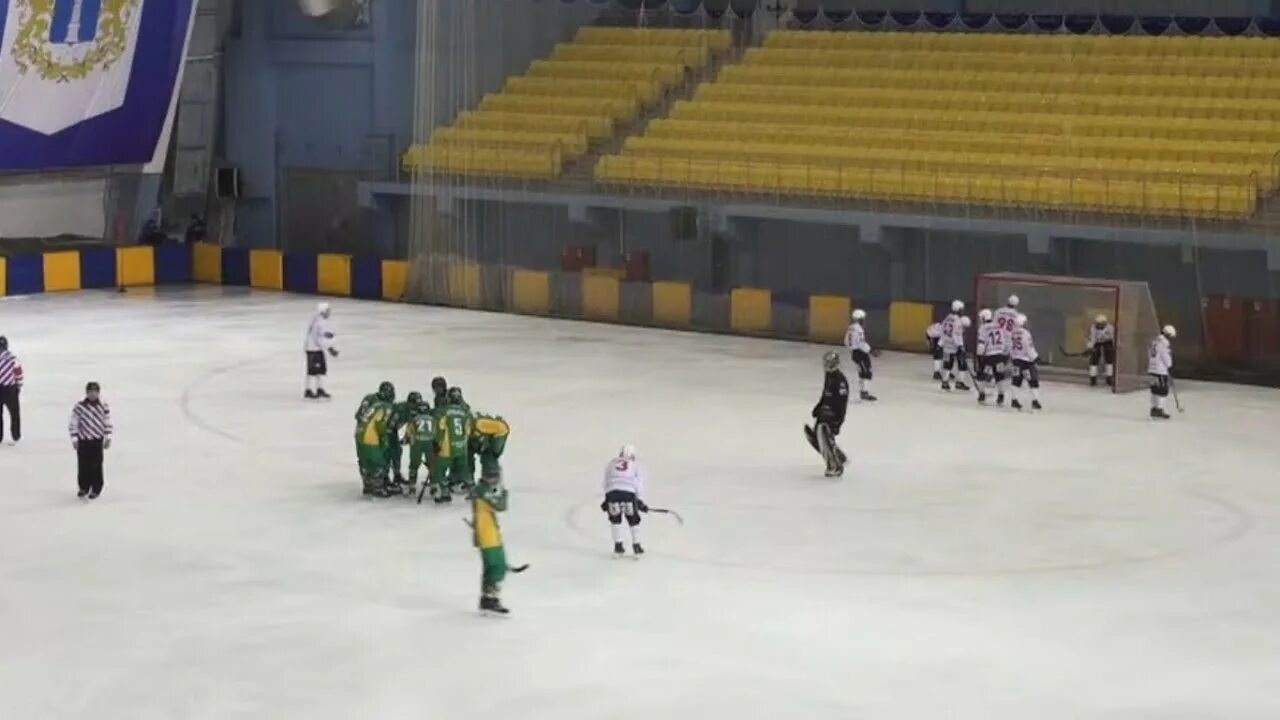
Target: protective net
(1060, 310)
(514, 104)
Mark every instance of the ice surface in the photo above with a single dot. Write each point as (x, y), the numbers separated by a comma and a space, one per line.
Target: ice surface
(973, 563)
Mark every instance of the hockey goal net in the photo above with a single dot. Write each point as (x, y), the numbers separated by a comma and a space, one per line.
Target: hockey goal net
(1059, 312)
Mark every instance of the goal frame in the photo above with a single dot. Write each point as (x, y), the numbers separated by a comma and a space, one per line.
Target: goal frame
(1055, 368)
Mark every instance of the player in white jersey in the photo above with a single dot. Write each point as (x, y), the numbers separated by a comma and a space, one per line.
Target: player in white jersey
(1102, 346)
(1159, 364)
(1007, 317)
(624, 479)
(319, 341)
(993, 357)
(933, 336)
(1022, 348)
(855, 339)
(952, 342)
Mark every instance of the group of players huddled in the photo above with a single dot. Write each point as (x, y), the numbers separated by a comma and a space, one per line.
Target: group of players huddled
(442, 435)
(1006, 360)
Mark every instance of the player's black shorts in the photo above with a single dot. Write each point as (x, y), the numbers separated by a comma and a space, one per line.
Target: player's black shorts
(316, 364)
(1103, 351)
(863, 361)
(1026, 369)
(935, 347)
(992, 366)
(620, 504)
(1160, 385)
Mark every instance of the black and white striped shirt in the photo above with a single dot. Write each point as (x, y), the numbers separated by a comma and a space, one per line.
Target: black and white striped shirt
(10, 370)
(90, 421)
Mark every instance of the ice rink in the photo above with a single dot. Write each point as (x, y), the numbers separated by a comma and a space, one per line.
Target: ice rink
(1083, 562)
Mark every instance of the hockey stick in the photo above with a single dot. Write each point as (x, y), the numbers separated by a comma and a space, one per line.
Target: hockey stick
(668, 511)
(1176, 402)
(423, 491)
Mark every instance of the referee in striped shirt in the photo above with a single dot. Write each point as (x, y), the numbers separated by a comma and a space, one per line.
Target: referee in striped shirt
(90, 429)
(10, 389)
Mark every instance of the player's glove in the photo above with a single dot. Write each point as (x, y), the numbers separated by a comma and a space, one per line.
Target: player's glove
(641, 506)
(333, 352)
(875, 352)
(106, 444)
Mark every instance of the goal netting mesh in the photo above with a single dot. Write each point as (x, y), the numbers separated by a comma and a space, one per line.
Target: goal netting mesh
(1060, 310)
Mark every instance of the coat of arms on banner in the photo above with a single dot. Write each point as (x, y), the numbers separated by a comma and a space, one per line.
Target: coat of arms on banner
(65, 40)
(63, 62)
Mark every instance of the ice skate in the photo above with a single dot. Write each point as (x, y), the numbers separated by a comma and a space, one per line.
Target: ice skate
(961, 386)
(93, 495)
(619, 550)
(867, 397)
(946, 386)
(492, 606)
(1093, 381)
(82, 494)
(323, 394)
(982, 398)
(1035, 405)
(638, 549)
(1111, 382)
(937, 376)
(309, 395)
(1159, 414)
(1000, 400)
(1015, 404)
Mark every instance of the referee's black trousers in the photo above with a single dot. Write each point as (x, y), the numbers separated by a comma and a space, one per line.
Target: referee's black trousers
(89, 457)
(9, 403)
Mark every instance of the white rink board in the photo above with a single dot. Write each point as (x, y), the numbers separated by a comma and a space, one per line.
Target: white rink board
(973, 563)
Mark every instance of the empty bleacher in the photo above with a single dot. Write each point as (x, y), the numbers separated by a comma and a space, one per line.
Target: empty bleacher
(1165, 126)
(578, 96)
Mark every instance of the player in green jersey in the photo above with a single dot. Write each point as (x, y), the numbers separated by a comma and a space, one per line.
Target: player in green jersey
(451, 467)
(419, 435)
(372, 424)
(488, 440)
(487, 500)
(401, 415)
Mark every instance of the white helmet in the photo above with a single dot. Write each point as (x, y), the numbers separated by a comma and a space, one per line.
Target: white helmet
(1170, 331)
(1013, 301)
(965, 321)
(323, 308)
(1020, 320)
(957, 306)
(628, 452)
(1101, 320)
(859, 315)
(984, 315)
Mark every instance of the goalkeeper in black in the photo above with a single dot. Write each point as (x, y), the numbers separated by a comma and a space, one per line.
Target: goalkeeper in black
(829, 415)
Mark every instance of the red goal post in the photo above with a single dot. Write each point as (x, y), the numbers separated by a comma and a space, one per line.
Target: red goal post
(1059, 311)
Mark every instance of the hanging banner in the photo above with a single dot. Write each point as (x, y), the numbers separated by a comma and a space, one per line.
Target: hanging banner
(89, 82)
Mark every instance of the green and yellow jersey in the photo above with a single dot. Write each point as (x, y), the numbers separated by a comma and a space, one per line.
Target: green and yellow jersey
(485, 506)
(453, 431)
(373, 422)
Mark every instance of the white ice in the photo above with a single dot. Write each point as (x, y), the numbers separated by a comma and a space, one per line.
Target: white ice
(1083, 562)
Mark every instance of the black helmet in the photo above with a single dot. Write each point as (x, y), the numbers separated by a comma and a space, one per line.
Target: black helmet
(439, 385)
(386, 391)
(454, 396)
(92, 387)
(830, 361)
(413, 398)
(4, 343)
